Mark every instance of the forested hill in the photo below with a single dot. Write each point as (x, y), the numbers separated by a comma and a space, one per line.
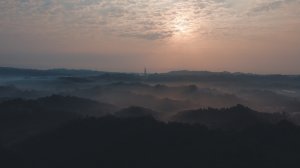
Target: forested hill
(144, 142)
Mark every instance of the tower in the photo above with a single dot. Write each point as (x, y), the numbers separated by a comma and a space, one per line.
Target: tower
(145, 72)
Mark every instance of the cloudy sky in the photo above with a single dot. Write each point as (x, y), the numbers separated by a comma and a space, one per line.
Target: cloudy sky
(259, 36)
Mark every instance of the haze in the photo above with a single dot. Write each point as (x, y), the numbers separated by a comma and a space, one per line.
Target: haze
(258, 36)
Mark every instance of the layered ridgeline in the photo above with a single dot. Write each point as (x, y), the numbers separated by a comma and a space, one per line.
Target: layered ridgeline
(22, 118)
(79, 118)
(172, 91)
(65, 131)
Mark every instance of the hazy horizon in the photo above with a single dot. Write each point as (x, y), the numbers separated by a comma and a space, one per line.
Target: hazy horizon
(141, 71)
(251, 36)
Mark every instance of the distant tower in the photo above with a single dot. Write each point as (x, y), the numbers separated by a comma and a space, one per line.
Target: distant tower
(145, 72)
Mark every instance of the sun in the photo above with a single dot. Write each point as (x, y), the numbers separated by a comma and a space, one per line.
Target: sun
(182, 28)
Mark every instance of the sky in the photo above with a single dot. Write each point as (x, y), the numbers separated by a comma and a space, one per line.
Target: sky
(257, 36)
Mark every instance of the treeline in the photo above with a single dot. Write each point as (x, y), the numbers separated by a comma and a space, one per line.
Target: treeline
(144, 142)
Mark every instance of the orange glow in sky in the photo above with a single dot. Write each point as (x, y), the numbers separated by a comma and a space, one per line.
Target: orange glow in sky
(260, 36)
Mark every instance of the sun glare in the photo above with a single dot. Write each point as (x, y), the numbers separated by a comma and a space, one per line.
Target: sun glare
(181, 27)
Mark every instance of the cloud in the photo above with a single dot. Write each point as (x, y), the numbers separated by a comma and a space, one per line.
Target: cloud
(266, 6)
(142, 19)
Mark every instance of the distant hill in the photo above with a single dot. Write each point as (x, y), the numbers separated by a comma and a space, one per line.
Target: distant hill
(20, 72)
(10, 71)
(10, 91)
(236, 117)
(202, 73)
(136, 112)
(242, 78)
(21, 118)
